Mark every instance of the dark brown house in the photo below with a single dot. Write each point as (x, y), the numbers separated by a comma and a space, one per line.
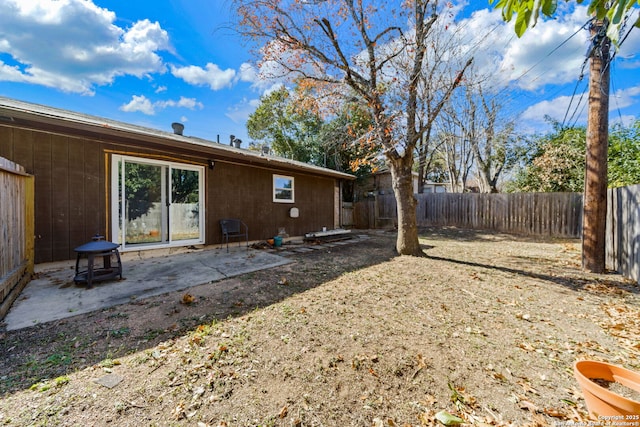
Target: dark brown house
(149, 189)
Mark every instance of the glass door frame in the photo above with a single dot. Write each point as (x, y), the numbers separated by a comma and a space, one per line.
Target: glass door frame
(118, 213)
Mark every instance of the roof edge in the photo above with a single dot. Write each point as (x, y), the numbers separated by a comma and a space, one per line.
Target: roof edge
(11, 108)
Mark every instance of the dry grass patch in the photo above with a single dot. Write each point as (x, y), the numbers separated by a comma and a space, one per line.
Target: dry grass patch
(483, 331)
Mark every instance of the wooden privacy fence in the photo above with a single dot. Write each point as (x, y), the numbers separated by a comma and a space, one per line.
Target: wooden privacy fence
(535, 214)
(16, 232)
(623, 231)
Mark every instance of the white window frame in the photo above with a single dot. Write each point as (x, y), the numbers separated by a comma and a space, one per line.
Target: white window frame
(276, 189)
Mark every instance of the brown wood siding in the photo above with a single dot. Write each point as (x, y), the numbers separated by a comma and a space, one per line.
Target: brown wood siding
(71, 194)
(60, 197)
(235, 191)
(42, 169)
(69, 188)
(6, 145)
(94, 206)
(77, 194)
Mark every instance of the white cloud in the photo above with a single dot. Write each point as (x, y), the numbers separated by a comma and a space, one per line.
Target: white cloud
(211, 75)
(539, 58)
(183, 102)
(624, 98)
(555, 108)
(575, 111)
(631, 45)
(240, 112)
(139, 103)
(142, 104)
(74, 45)
(247, 73)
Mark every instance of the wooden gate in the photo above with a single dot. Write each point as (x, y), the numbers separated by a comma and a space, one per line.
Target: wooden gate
(347, 215)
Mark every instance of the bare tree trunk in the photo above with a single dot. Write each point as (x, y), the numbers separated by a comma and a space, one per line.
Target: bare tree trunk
(595, 182)
(401, 180)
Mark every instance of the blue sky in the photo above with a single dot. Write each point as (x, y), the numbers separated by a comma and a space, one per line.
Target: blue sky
(151, 63)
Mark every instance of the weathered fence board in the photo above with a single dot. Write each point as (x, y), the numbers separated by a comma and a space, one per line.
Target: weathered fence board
(623, 231)
(364, 213)
(541, 214)
(16, 232)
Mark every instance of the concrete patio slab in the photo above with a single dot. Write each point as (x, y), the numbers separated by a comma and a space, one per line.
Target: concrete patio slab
(53, 295)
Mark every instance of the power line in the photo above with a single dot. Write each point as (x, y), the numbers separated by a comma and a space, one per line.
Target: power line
(565, 41)
(584, 64)
(555, 49)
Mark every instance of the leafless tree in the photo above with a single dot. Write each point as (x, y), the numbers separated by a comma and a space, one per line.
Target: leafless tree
(354, 44)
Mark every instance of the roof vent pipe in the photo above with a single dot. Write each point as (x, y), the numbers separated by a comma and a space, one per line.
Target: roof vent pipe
(177, 128)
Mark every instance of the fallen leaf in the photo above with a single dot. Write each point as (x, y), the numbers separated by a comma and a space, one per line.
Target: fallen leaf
(188, 299)
(448, 419)
(498, 376)
(528, 406)
(556, 413)
(526, 346)
(283, 412)
(179, 411)
(430, 400)
(526, 386)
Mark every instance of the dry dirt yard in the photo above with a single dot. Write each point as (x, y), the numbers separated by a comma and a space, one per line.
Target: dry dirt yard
(486, 327)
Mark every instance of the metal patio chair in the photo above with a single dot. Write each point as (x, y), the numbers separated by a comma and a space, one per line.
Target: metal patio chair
(234, 229)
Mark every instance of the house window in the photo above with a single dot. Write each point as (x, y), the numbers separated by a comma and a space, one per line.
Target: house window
(156, 203)
(283, 189)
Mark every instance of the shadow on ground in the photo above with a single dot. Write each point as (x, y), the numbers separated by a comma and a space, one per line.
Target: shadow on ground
(53, 349)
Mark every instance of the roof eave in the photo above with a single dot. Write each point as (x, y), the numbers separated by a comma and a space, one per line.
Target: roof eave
(14, 110)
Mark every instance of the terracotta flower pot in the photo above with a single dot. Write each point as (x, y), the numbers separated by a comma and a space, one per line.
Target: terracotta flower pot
(600, 401)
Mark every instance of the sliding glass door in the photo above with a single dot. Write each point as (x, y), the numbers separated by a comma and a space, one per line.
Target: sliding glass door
(156, 203)
(184, 212)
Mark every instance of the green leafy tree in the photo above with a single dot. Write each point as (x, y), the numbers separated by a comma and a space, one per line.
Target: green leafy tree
(556, 161)
(346, 142)
(291, 132)
(141, 188)
(624, 155)
(346, 145)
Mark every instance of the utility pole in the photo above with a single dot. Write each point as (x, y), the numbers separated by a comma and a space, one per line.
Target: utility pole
(595, 184)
